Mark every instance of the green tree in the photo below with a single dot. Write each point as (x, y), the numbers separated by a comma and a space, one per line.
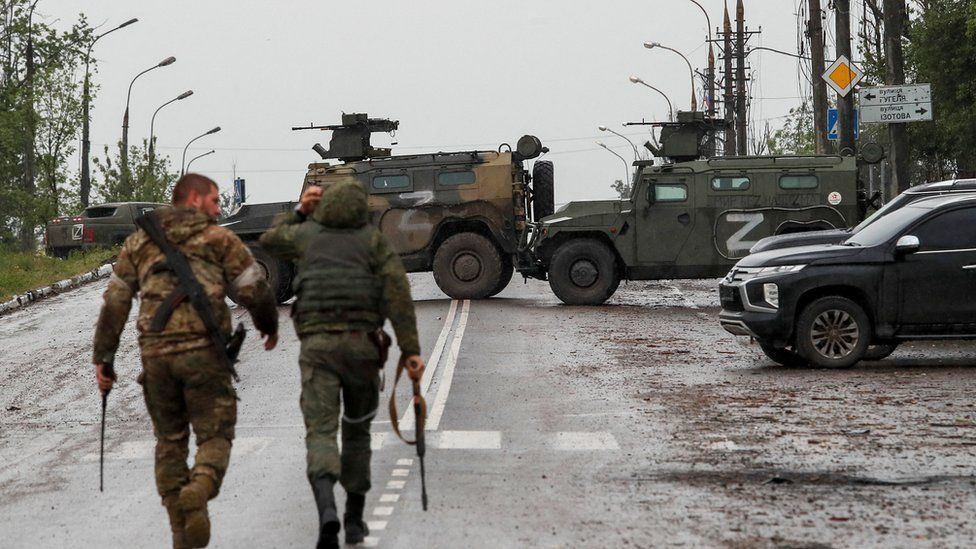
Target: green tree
(151, 183)
(622, 188)
(796, 135)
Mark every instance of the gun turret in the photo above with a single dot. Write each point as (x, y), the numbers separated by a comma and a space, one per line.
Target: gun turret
(683, 140)
(350, 140)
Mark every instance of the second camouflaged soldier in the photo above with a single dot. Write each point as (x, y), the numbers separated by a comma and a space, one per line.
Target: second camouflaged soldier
(349, 281)
(184, 381)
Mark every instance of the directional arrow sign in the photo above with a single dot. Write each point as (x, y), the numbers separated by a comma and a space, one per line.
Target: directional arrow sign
(896, 104)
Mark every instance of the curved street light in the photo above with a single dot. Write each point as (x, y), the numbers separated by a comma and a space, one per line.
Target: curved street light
(622, 159)
(183, 161)
(190, 163)
(152, 123)
(637, 155)
(691, 71)
(637, 80)
(125, 120)
(86, 116)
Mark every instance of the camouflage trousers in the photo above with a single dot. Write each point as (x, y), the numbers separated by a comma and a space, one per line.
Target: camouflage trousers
(339, 366)
(183, 390)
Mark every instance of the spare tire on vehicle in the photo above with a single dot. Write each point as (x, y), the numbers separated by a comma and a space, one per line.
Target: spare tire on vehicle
(543, 191)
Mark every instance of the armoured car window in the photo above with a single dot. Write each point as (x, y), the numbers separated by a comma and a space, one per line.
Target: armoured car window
(384, 182)
(730, 183)
(949, 231)
(670, 192)
(798, 182)
(455, 178)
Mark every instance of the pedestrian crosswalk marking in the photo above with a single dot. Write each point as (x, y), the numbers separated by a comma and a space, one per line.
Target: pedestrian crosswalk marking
(376, 525)
(396, 484)
(466, 440)
(383, 511)
(145, 449)
(401, 472)
(389, 498)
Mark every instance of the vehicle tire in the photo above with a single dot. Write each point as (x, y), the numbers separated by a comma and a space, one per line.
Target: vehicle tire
(508, 271)
(543, 190)
(880, 352)
(781, 355)
(833, 332)
(468, 266)
(583, 271)
(278, 273)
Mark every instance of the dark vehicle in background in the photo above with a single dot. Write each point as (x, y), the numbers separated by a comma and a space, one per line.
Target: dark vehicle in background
(101, 226)
(836, 236)
(909, 275)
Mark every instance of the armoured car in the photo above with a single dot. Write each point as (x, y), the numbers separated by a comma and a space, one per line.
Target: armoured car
(458, 214)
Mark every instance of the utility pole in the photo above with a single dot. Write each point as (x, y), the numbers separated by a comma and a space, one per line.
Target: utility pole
(740, 78)
(728, 99)
(894, 24)
(845, 104)
(817, 66)
(710, 95)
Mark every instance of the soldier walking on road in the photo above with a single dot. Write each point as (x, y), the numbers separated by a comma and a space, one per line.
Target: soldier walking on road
(185, 382)
(349, 281)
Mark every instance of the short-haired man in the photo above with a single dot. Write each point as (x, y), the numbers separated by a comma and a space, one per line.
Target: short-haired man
(185, 382)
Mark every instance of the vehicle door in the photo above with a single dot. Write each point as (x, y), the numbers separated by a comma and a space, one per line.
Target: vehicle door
(937, 284)
(735, 210)
(665, 217)
(397, 200)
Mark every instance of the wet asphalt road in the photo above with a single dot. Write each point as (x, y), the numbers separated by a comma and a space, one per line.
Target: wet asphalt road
(640, 423)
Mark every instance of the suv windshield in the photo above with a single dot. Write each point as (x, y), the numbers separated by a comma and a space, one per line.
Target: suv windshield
(887, 227)
(891, 206)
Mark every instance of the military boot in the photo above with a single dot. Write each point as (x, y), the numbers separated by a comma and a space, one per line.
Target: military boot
(352, 520)
(176, 521)
(328, 517)
(193, 503)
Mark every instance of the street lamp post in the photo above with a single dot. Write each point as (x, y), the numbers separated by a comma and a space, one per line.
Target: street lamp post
(152, 124)
(637, 80)
(622, 159)
(190, 163)
(637, 155)
(709, 78)
(183, 161)
(124, 157)
(86, 117)
(691, 71)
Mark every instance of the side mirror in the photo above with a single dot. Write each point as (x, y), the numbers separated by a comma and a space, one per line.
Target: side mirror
(907, 244)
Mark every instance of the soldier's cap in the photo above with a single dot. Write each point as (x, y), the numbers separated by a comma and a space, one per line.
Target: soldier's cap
(343, 205)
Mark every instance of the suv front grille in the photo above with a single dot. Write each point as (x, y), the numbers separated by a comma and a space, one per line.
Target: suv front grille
(730, 298)
(739, 274)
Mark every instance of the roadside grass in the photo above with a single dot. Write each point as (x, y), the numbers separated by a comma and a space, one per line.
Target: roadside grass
(22, 271)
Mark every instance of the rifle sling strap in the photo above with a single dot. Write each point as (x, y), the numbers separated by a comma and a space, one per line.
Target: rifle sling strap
(421, 420)
(166, 308)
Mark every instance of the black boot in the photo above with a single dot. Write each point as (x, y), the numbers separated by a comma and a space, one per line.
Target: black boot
(352, 520)
(328, 517)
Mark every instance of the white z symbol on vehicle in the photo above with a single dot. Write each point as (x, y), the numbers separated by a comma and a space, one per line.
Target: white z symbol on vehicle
(735, 243)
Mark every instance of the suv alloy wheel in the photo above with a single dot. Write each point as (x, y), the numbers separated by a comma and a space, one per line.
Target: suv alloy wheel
(833, 332)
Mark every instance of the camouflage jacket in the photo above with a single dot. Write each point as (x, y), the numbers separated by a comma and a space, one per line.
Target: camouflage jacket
(344, 206)
(220, 261)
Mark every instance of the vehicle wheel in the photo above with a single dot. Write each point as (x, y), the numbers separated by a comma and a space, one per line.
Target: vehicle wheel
(468, 266)
(508, 271)
(833, 332)
(543, 190)
(780, 355)
(583, 271)
(880, 352)
(278, 273)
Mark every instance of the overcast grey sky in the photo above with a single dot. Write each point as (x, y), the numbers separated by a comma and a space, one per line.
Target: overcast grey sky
(457, 74)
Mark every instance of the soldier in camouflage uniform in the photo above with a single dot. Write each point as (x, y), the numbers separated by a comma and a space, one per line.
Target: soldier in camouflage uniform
(349, 281)
(184, 380)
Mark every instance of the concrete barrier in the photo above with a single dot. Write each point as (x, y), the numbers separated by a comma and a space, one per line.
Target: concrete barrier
(33, 296)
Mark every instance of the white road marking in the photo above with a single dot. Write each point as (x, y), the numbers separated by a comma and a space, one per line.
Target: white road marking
(467, 440)
(407, 462)
(389, 498)
(146, 449)
(396, 484)
(376, 525)
(407, 419)
(370, 541)
(574, 440)
(401, 472)
(444, 388)
(383, 511)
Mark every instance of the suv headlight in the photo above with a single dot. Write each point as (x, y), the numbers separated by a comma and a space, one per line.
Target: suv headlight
(780, 269)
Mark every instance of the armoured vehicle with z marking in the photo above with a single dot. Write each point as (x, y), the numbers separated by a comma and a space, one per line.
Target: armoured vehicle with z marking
(458, 214)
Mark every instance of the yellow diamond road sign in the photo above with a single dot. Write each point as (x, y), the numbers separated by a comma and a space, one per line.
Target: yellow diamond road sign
(842, 75)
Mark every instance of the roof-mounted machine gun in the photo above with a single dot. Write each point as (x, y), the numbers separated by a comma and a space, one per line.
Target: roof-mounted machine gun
(685, 139)
(350, 140)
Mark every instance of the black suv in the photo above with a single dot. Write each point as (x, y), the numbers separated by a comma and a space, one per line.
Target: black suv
(910, 275)
(836, 236)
